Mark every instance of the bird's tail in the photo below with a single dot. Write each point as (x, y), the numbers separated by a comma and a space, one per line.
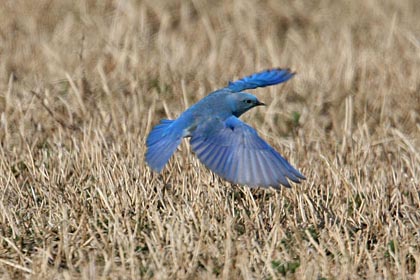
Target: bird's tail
(161, 144)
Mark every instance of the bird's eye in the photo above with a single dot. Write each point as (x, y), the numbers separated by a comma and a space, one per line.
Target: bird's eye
(249, 101)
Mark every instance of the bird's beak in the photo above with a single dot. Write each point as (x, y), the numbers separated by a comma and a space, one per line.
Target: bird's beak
(260, 104)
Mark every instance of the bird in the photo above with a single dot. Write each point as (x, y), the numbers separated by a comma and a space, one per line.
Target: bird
(222, 142)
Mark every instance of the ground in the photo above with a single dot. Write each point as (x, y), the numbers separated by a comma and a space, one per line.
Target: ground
(83, 82)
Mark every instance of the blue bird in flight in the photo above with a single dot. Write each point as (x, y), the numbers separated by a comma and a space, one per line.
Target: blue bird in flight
(226, 145)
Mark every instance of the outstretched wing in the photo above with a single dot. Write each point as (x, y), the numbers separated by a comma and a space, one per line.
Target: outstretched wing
(261, 79)
(234, 151)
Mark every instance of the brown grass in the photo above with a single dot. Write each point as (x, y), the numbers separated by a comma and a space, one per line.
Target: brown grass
(82, 83)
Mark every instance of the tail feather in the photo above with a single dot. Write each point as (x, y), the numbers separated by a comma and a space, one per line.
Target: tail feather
(161, 144)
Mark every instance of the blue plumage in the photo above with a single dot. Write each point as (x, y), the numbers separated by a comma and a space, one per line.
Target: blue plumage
(261, 79)
(162, 143)
(225, 144)
(238, 154)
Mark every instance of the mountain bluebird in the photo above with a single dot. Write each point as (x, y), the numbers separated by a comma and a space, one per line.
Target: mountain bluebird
(226, 145)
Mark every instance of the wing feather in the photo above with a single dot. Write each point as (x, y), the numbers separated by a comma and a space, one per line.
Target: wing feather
(261, 79)
(234, 151)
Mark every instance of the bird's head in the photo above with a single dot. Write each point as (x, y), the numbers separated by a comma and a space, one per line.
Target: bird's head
(242, 102)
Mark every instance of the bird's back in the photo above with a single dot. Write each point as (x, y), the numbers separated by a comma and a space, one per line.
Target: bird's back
(213, 105)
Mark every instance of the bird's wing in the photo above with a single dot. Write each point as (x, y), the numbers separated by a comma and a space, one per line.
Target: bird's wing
(234, 151)
(261, 79)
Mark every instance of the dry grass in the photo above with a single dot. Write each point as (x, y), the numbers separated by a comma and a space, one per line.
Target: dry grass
(82, 82)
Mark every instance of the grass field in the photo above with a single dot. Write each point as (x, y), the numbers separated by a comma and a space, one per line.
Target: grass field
(83, 82)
